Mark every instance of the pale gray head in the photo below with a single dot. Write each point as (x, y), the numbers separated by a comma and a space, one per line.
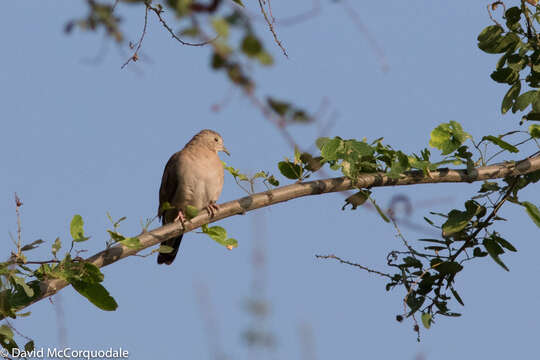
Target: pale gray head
(210, 139)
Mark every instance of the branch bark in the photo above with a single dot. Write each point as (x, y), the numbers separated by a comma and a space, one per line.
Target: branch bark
(289, 192)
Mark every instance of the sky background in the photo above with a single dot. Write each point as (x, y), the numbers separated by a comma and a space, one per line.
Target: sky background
(81, 136)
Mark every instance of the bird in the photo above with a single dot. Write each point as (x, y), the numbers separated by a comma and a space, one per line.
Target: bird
(193, 176)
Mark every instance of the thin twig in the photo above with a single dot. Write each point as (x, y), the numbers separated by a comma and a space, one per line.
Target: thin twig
(17, 331)
(18, 204)
(38, 262)
(135, 55)
(271, 27)
(411, 288)
(493, 6)
(486, 222)
(158, 12)
(332, 256)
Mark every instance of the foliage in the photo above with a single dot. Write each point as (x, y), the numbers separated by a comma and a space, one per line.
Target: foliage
(427, 270)
(20, 277)
(519, 65)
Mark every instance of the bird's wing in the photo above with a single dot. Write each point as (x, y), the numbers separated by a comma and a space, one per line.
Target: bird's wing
(169, 183)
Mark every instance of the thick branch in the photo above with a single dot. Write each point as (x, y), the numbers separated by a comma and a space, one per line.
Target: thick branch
(286, 193)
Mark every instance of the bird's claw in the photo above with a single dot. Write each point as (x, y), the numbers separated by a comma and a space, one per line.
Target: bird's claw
(212, 208)
(180, 217)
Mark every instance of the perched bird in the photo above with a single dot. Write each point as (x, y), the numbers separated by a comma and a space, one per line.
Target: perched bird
(193, 176)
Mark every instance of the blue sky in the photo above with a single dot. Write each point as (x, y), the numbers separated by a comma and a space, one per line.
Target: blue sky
(88, 138)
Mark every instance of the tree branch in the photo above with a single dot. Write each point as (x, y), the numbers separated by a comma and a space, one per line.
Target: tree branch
(289, 192)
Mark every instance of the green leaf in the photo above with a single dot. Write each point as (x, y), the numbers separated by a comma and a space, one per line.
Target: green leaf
(426, 320)
(533, 212)
(379, 210)
(56, 246)
(433, 241)
(330, 148)
(451, 314)
(505, 75)
(191, 211)
(512, 15)
(280, 107)
(489, 186)
(91, 273)
(272, 180)
(534, 116)
(456, 295)
(494, 250)
(415, 302)
(21, 282)
(504, 243)
(300, 116)
(457, 221)
(357, 199)
(32, 245)
(239, 2)
(536, 103)
(412, 262)
(495, 43)
(534, 131)
(524, 100)
(116, 236)
(478, 252)
(533, 177)
(501, 143)
(446, 267)
(511, 95)
(448, 137)
(166, 206)
(6, 331)
(265, 58)
(221, 26)
(321, 141)
(251, 45)
(290, 170)
(96, 294)
(360, 148)
(219, 235)
(399, 165)
(230, 243)
(517, 62)
(29, 346)
(76, 229)
(164, 249)
(435, 248)
(190, 31)
(131, 242)
(490, 32)
(489, 38)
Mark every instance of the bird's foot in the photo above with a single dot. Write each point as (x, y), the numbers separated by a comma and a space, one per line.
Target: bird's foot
(212, 208)
(180, 217)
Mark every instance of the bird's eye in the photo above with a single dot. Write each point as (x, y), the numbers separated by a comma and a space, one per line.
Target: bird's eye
(216, 139)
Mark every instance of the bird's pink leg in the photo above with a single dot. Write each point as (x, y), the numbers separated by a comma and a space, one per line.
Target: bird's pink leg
(212, 208)
(180, 217)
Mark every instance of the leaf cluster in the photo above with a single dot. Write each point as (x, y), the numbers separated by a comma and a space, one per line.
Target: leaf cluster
(519, 66)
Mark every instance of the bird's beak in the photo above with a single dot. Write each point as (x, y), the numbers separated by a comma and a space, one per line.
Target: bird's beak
(226, 151)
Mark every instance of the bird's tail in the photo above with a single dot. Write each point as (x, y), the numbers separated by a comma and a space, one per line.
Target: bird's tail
(168, 258)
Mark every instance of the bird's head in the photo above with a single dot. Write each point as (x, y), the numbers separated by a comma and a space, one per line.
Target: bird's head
(212, 140)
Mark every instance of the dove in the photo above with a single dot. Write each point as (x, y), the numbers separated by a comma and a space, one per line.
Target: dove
(193, 176)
